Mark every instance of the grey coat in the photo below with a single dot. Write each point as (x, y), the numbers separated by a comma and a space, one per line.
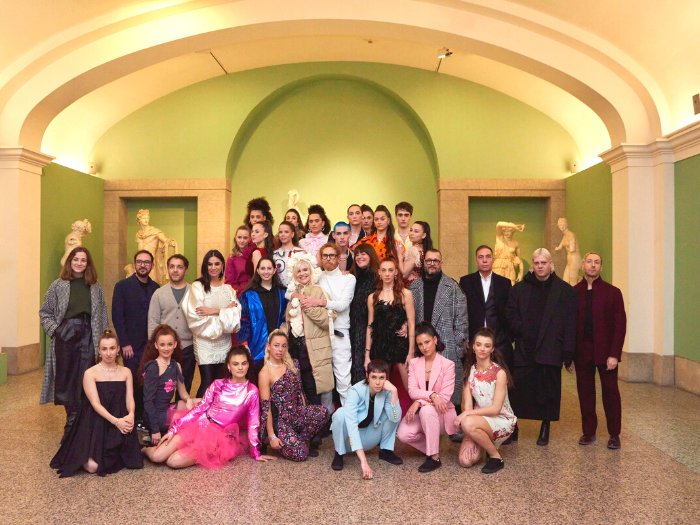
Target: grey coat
(450, 320)
(51, 315)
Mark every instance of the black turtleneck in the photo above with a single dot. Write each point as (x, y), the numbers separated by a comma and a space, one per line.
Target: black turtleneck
(430, 287)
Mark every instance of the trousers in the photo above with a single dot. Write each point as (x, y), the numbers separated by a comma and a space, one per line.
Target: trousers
(423, 433)
(342, 363)
(384, 435)
(585, 384)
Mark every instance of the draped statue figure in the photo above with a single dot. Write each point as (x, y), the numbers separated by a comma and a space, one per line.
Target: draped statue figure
(79, 229)
(155, 241)
(573, 254)
(507, 253)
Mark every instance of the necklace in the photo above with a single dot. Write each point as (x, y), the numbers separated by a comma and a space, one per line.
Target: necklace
(166, 365)
(110, 370)
(273, 365)
(484, 370)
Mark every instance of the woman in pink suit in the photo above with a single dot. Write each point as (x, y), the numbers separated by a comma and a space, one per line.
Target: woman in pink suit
(431, 382)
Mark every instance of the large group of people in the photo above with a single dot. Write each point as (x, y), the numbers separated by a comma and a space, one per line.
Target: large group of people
(348, 329)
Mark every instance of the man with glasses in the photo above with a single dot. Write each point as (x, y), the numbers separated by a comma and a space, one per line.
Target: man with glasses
(439, 300)
(130, 303)
(340, 289)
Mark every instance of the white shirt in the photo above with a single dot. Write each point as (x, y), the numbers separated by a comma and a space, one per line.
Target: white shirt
(341, 289)
(485, 286)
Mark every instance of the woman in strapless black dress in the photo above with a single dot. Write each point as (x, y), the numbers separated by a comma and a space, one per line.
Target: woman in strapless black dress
(102, 439)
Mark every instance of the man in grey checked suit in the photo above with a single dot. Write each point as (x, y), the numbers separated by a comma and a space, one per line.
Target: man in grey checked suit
(439, 300)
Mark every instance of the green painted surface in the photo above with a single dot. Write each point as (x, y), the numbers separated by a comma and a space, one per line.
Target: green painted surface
(589, 212)
(67, 196)
(687, 284)
(3, 369)
(177, 218)
(485, 212)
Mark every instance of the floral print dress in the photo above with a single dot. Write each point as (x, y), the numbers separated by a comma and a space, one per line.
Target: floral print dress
(482, 386)
(293, 422)
(158, 391)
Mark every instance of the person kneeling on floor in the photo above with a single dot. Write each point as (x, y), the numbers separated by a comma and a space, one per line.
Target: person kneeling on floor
(369, 418)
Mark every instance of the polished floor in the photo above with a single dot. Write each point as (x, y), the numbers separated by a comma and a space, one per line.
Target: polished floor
(653, 479)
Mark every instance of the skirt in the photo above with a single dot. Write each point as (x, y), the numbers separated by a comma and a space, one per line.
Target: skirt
(209, 444)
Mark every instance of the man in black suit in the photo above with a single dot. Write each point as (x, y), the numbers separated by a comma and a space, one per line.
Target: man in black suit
(542, 316)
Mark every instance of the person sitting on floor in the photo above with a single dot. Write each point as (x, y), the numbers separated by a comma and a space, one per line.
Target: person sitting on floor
(488, 423)
(369, 418)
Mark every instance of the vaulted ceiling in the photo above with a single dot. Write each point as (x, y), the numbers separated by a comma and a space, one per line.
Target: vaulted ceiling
(608, 71)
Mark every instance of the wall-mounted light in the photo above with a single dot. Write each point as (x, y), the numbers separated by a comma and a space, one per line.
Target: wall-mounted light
(442, 53)
(92, 168)
(575, 166)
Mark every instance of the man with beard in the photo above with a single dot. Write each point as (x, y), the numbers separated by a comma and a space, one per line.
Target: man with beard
(542, 311)
(439, 300)
(130, 303)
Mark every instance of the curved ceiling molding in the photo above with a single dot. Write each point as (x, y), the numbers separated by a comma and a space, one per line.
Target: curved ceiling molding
(592, 78)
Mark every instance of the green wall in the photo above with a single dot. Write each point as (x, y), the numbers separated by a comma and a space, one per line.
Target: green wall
(67, 196)
(338, 132)
(485, 212)
(687, 285)
(589, 212)
(177, 218)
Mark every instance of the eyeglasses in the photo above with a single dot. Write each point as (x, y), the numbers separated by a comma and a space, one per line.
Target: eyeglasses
(432, 261)
(142, 263)
(328, 256)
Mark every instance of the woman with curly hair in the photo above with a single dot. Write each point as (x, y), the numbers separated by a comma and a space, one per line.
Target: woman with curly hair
(391, 321)
(318, 226)
(258, 210)
(160, 373)
(286, 420)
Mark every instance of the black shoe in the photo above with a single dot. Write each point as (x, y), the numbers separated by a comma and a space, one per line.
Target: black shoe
(493, 465)
(430, 464)
(337, 462)
(315, 442)
(313, 453)
(543, 440)
(390, 457)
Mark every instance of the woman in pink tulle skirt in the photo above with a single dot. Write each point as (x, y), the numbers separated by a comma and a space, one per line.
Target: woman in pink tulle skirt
(209, 434)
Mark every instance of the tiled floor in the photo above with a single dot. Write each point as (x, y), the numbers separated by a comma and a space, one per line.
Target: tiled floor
(653, 479)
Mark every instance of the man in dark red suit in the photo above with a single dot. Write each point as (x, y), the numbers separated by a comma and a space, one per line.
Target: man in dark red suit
(602, 325)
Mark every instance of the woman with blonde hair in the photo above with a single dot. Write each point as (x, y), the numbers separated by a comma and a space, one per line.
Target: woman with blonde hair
(309, 330)
(235, 274)
(286, 420)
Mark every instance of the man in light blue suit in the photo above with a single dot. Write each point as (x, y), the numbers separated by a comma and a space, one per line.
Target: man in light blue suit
(369, 418)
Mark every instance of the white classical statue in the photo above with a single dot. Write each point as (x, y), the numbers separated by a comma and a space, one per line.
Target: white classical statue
(573, 255)
(507, 254)
(155, 241)
(293, 204)
(75, 238)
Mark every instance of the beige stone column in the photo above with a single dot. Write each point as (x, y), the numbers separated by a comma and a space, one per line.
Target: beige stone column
(20, 241)
(643, 256)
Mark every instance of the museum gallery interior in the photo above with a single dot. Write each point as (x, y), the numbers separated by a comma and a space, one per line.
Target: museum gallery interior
(578, 120)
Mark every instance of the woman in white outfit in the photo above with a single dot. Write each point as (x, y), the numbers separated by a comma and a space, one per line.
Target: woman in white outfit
(213, 314)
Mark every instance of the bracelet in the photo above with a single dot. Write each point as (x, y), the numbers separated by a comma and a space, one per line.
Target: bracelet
(272, 436)
(116, 421)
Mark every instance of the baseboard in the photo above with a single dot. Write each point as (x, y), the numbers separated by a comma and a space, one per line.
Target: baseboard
(21, 359)
(687, 375)
(664, 370)
(636, 368)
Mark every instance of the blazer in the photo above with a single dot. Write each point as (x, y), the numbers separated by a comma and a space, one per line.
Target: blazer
(609, 319)
(556, 341)
(357, 406)
(165, 310)
(130, 304)
(441, 382)
(51, 316)
(476, 305)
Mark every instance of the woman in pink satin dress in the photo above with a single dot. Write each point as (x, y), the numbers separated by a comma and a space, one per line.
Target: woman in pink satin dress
(208, 434)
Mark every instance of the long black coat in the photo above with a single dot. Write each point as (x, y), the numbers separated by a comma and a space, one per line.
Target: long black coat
(556, 342)
(499, 290)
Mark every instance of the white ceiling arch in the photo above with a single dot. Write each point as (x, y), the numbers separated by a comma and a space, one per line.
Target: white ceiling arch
(577, 78)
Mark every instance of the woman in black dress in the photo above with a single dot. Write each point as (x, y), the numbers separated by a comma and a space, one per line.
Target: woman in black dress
(160, 373)
(365, 268)
(102, 438)
(391, 318)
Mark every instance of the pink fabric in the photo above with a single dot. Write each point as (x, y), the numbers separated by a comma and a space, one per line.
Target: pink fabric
(224, 404)
(423, 433)
(209, 444)
(235, 274)
(174, 414)
(442, 382)
(312, 243)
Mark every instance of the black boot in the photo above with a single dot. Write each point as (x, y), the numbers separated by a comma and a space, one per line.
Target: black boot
(71, 413)
(543, 440)
(337, 462)
(513, 437)
(315, 442)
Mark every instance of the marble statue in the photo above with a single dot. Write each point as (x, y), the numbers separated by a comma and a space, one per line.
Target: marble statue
(573, 255)
(293, 204)
(155, 241)
(507, 253)
(74, 239)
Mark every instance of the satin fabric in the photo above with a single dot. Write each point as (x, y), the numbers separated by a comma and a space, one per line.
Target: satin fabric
(227, 404)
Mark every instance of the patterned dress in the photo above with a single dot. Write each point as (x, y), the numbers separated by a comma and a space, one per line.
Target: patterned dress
(158, 391)
(482, 386)
(293, 422)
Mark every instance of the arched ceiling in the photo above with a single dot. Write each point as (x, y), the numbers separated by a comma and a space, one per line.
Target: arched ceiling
(608, 72)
